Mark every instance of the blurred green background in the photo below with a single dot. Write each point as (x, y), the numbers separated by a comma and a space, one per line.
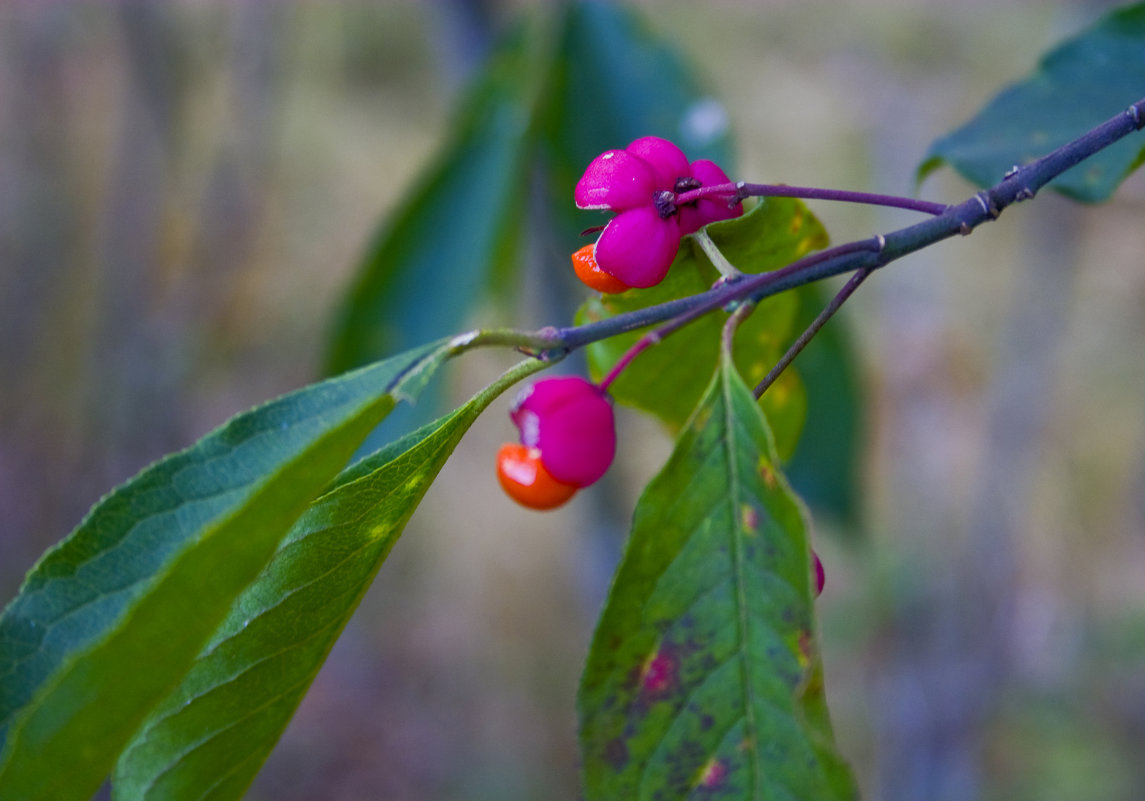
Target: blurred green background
(185, 189)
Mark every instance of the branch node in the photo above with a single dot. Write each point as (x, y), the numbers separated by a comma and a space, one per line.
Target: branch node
(881, 242)
(964, 229)
(1025, 194)
(1010, 173)
(986, 201)
(550, 355)
(1135, 114)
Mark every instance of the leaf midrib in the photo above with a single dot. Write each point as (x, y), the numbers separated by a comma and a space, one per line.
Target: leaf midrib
(743, 613)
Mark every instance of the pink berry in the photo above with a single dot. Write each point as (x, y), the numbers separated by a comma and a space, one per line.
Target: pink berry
(569, 420)
(637, 247)
(693, 218)
(641, 184)
(666, 159)
(616, 179)
(820, 574)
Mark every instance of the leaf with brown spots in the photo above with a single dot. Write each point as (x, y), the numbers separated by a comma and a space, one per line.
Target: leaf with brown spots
(703, 680)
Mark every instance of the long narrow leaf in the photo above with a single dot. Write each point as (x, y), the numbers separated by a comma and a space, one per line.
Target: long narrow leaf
(209, 738)
(455, 232)
(110, 620)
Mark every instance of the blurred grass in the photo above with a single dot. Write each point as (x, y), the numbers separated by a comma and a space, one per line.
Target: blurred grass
(184, 189)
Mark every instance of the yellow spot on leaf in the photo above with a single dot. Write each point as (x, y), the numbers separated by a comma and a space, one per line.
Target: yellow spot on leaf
(702, 418)
(767, 473)
(803, 650)
(797, 221)
(712, 773)
(750, 519)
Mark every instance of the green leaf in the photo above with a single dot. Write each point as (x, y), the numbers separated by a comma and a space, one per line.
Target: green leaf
(208, 739)
(615, 80)
(704, 679)
(668, 379)
(457, 229)
(111, 619)
(1078, 85)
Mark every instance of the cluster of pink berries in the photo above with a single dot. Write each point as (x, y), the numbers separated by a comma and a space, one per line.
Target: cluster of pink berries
(641, 184)
(567, 436)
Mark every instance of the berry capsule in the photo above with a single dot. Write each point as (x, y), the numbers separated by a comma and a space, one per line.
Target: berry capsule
(590, 274)
(526, 480)
(820, 574)
(569, 420)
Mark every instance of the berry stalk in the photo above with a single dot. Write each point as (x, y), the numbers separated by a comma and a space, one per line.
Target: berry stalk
(813, 329)
(736, 192)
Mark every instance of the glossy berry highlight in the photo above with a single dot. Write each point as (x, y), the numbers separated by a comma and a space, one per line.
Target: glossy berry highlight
(525, 479)
(590, 274)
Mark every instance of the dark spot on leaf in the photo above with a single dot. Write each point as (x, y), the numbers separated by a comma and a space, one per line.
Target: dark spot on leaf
(616, 754)
(706, 722)
(685, 757)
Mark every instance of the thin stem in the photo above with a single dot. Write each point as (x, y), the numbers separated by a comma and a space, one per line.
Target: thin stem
(735, 192)
(653, 338)
(754, 286)
(813, 329)
(728, 270)
(733, 322)
(642, 344)
(545, 344)
(513, 375)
